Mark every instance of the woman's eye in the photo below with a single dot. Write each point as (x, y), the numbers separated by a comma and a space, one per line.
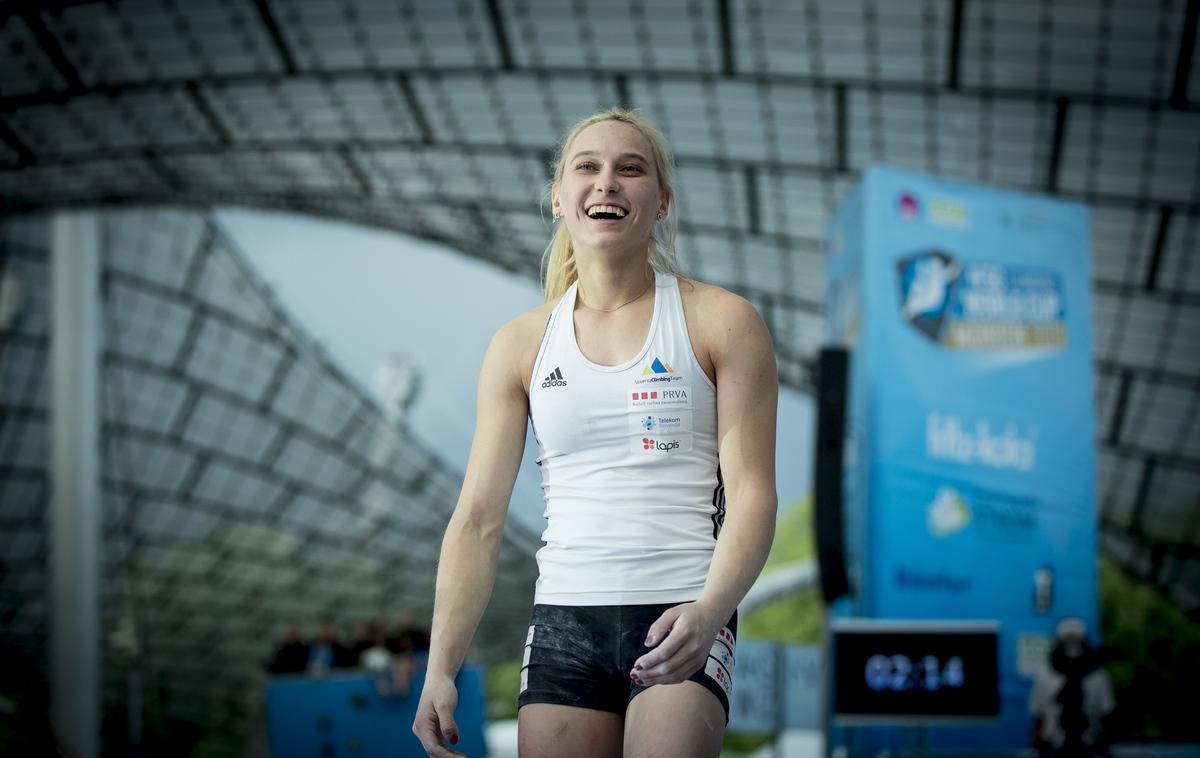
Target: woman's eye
(585, 166)
(632, 168)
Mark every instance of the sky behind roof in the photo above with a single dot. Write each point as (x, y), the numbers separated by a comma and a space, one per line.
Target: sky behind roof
(368, 294)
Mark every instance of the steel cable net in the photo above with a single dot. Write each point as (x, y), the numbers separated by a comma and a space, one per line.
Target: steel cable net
(438, 120)
(247, 483)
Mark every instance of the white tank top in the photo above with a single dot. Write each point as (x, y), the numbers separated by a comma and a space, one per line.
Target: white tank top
(628, 455)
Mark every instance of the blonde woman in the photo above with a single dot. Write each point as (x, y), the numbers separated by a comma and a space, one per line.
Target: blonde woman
(652, 398)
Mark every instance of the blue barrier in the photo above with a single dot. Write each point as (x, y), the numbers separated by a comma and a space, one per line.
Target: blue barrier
(344, 715)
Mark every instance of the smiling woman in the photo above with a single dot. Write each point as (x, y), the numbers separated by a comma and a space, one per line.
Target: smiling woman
(652, 398)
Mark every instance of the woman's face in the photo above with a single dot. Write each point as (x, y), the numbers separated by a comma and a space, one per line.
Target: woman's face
(609, 196)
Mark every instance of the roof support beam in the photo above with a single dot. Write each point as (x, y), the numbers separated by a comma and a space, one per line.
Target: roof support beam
(725, 25)
(753, 206)
(272, 28)
(75, 507)
(1118, 417)
(54, 52)
(954, 56)
(415, 109)
(1143, 494)
(503, 48)
(1187, 51)
(905, 86)
(356, 171)
(841, 128)
(621, 85)
(25, 156)
(1160, 242)
(1061, 106)
(196, 96)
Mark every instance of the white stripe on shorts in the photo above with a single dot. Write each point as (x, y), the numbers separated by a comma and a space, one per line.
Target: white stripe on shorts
(525, 660)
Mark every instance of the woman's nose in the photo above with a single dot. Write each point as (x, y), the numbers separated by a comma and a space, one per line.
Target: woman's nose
(606, 181)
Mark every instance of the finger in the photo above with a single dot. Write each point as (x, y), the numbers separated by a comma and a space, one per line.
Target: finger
(670, 641)
(425, 727)
(445, 717)
(673, 671)
(655, 660)
(661, 627)
(431, 735)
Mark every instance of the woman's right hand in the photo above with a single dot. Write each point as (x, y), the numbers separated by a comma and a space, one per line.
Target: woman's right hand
(434, 723)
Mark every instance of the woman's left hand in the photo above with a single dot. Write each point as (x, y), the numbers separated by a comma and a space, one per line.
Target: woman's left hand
(682, 638)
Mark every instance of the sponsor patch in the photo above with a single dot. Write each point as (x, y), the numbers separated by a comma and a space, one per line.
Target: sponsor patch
(661, 423)
(678, 397)
(661, 443)
(720, 661)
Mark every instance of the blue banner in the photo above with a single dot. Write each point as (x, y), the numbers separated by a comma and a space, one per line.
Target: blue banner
(970, 466)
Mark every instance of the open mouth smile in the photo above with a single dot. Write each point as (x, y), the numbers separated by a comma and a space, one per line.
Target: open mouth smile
(606, 213)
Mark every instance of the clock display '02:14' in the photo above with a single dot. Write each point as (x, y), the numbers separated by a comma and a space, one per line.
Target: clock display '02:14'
(898, 673)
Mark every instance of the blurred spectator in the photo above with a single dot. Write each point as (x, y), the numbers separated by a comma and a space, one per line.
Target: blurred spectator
(327, 652)
(1071, 697)
(361, 640)
(381, 664)
(408, 636)
(291, 657)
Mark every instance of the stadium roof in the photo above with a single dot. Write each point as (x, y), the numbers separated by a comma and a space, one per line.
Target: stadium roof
(247, 482)
(439, 119)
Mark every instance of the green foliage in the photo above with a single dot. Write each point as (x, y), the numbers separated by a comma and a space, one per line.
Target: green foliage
(1154, 652)
(794, 620)
(798, 619)
(744, 742)
(503, 687)
(794, 541)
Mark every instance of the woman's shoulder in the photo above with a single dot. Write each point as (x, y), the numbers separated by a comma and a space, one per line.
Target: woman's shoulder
(517, 341)
(527, 325)
(712, 304)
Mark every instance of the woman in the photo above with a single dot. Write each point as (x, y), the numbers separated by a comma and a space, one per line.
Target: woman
(637, 383)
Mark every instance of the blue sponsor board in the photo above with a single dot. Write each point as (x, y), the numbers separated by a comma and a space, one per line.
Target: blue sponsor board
(345, 715)
(970, 422)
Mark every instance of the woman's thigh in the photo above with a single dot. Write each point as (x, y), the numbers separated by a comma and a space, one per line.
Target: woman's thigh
(545, 730)
(684, 720)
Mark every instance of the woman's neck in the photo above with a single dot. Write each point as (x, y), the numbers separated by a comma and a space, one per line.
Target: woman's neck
(606, 284)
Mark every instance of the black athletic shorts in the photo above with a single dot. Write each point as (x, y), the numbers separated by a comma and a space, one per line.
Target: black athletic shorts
(582, 656)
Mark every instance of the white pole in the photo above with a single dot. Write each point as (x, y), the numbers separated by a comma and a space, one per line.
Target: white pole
(75, 476)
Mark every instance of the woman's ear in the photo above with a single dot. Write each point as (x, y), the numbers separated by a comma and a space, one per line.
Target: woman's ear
(555, 205)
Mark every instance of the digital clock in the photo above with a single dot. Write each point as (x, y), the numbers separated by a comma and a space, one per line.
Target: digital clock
(889, 671)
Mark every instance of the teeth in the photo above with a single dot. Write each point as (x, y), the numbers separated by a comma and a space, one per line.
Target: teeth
(598, 209)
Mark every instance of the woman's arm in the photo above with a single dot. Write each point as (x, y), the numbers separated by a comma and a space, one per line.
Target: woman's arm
(467, 565)
(747, 395)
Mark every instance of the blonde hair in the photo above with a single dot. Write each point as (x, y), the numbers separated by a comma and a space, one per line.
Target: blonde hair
(558, 262)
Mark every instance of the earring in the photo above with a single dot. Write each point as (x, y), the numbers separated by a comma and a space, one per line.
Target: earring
(662, 215)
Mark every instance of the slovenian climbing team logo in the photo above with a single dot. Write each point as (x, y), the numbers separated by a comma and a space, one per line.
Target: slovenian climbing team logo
(657, 366)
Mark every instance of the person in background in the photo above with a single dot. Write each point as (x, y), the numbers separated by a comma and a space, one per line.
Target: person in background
(327, 652)
(408, 635)
(378, 661)
(291, 657)
(360, 640)
(1072, 697)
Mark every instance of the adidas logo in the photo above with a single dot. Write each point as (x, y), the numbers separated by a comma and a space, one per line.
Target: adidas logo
(555, 379)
